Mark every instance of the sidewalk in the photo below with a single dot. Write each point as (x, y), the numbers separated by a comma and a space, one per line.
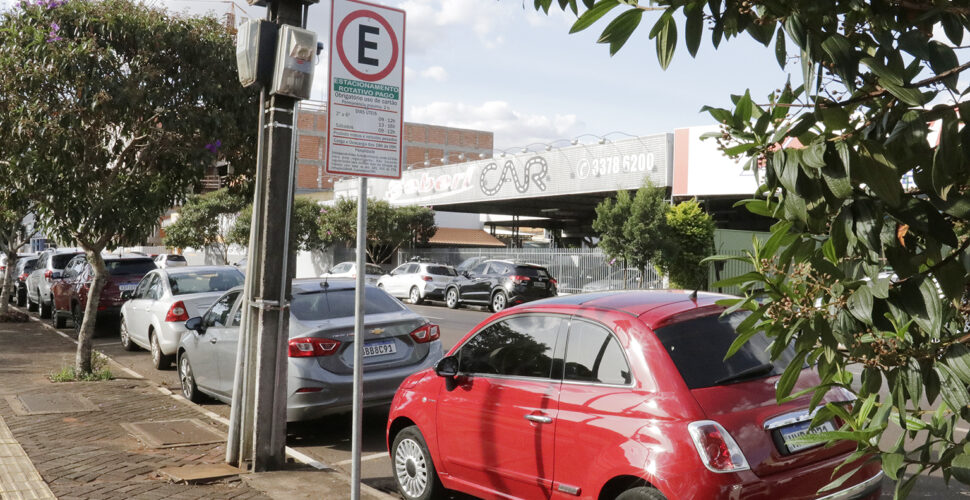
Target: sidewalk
(81, 439)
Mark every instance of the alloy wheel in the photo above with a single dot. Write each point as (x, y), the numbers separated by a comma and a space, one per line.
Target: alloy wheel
(186, 378)
(156, 350)
(451, 298)
(415, 296)
(411, 468)
(499, 301)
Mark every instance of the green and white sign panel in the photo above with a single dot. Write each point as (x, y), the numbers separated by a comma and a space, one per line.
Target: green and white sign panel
(366, 92)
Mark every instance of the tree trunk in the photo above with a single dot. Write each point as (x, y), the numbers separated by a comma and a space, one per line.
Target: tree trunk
(82, 361)
(7, 288)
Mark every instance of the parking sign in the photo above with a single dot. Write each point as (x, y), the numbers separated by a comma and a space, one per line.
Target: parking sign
(366, 92)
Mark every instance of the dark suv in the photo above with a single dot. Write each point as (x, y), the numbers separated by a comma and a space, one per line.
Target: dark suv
(499, 284)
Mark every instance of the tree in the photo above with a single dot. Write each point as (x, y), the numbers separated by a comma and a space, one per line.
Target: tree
(688, 237)
(304, 225)
(611, 215)
(14, 207)
(206, 221)
(116, 109)
(863, 189)
(645, 226)
(388, 227)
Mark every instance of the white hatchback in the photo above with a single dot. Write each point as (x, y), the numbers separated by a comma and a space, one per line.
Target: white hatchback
(154, 317)
(349, 270)
(418, 281)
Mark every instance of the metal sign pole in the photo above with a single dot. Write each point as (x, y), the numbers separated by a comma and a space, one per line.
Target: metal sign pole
(359, 338)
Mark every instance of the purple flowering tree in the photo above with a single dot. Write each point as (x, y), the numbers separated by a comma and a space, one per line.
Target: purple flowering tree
(108, 108)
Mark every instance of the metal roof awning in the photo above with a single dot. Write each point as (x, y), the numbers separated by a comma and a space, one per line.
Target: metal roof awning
(465, 237)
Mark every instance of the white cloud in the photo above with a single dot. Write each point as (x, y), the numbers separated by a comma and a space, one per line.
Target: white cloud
(436, 73)
(512, 128)
(432, 22)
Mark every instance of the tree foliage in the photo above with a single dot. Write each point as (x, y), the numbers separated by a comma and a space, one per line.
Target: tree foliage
(688, 237)
(388, 227)
(304, 225)
(114, 110)
(864, 187)
(206, 221)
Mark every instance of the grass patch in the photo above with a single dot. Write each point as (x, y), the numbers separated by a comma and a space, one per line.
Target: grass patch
(99, 371)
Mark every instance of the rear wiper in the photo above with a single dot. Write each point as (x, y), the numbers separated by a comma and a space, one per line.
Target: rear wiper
(754, 371)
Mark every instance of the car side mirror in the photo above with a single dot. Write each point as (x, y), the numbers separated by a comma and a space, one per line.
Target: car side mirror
(447, 367)
(195, 324)
(466, 274)
(126, 295)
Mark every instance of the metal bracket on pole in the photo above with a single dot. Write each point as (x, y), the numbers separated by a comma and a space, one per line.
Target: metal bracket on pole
(278, 125)
(279, 110)
(269, 305)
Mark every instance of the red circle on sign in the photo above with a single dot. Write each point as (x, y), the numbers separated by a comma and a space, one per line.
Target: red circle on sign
(343, 57)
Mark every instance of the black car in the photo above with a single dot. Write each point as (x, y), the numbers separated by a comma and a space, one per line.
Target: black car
(499, 284)
(25, 265)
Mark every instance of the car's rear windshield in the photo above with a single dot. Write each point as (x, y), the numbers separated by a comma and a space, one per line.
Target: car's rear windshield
(317, 306)
(204, 281)
(532, 272)
(441, 271)
(129, 266)
(175, 258)
(59, 260)
(29, 264)
(697, 347)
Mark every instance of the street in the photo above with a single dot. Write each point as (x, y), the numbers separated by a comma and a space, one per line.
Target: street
(327, 439)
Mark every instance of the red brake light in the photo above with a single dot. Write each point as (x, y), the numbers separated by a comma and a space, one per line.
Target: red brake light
(177, 313)
(553, 281)
(309, 347)
(716, 447)
(426, 333)
(427, 278)
(49, 275)
(519, 279)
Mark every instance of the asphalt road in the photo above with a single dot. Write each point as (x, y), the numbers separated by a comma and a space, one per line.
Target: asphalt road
(329, 439)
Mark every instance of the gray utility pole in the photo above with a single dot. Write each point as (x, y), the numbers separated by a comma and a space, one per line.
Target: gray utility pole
(257, 430)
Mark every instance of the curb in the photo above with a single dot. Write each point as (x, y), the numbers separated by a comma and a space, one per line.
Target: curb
(290, 452)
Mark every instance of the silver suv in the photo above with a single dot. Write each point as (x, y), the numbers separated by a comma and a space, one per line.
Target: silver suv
(49, 268)
(418, 281)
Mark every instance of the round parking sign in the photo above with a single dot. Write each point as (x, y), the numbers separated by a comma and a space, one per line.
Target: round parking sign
(371, 43)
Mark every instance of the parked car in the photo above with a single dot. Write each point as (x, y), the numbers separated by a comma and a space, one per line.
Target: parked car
(165, 260)
(154, 316)
(3, 270)
(62, 290)
(321, 348)
(24, 267)
(124, 274)
(622, 395)
(469, 263)
(50, 265)
(349, 270)
(621, 279)
(500, 284)
(418, 281)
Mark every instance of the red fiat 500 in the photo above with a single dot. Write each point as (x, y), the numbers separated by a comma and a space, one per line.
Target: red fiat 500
(611, 395)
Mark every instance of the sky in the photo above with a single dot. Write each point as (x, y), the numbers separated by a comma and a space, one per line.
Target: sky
(499, 65)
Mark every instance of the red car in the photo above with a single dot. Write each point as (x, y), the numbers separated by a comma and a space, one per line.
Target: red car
(612, 395)
(71, 292)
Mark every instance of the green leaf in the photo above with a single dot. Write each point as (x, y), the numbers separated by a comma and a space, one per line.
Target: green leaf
(814, 155)
(942, 58)
(957, 359)
(781, 53)
(843, 56)
(666, 39)
(885, 74)
(694, 28)
(952, 27)
(835, 118)
(953, 390)
(860, 304)
(879, 173)
(619, 30)
(934, 309)
(788, 378)
(593, 14)
(742, 111)
(891, 463)
(960, 468)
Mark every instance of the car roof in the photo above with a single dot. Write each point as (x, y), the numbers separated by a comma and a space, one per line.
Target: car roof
(196, 269)
(653, 307)
(305, 285)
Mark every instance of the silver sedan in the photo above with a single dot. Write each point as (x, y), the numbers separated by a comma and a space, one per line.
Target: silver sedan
(321, 348)
(154, 316)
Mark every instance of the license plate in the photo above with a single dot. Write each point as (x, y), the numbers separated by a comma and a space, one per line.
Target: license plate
(379, 348)
(540, 284)
(129, 287)
(801, 429)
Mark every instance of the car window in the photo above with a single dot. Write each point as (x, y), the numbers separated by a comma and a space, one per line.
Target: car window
(175, 258)
(594, 355)
(697, 347)
(218, 314)
(122, 267)
(60, 260)
(374, 269)
(413, 269)
(204, 281)
(519, 346)
(142, 287)
(329, 304)
(441, 271)
(532, 272)
(343, 267)
(155, 289)
(399, 269)
(479, 269)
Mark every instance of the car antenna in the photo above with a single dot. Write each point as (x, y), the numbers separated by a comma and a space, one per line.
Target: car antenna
(325, 285)
(693, 296)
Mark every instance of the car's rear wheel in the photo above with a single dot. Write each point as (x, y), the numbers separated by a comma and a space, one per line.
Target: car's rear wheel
(189, 389)
(159, 360)
(58, 320)
(414, 472)
(31, 305)
(499, 301)
(21, 298)
(451, 298)
(126, 342)
(641, 493)
(45, 309)
(414, 296)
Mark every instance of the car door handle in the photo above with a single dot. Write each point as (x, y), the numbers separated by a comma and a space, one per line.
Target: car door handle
(539, 419)
(213, 340)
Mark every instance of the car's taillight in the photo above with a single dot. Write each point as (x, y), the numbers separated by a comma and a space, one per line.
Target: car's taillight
(553, 281)
(308, 347)
(716, 447)
(49, 275)
(426, 333)
(177, 312)
(427, 278)
(518, 280)
(24, 276)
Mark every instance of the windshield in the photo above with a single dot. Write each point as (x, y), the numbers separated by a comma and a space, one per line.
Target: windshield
(441, 271)
(58, 261)
(204, 281)
(175, 258)
(698, 345)
(532, 272)
(129, 266)
(317, 306)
